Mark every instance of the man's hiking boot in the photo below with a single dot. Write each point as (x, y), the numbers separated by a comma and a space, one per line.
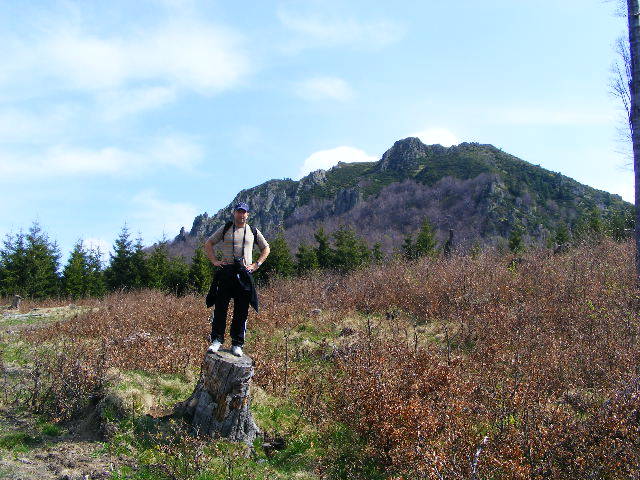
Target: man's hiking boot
(236, 350)
(214, 347)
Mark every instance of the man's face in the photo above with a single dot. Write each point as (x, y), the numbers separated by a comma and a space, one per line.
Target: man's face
(240, 216)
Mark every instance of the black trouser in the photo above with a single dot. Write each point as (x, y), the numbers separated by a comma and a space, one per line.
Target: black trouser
(228, 288)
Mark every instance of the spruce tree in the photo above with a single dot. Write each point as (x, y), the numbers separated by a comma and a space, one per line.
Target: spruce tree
(157, 267)
(279, 263)
(13, 265)
(409, 248)
(42, 263)
(176, 280)
(324, 252)
(425, 245)
(350, 251)
(140, 272)
(516, 243)
(595, 223)
(561, 236)
(200, 271)
(306, 259)
(97, 286)
(75, 276)
(618, 223)
(120, 273)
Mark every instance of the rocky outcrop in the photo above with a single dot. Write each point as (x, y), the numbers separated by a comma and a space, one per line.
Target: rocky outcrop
(405, 156)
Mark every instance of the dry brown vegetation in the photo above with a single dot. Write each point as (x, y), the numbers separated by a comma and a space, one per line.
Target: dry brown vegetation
(486, 367)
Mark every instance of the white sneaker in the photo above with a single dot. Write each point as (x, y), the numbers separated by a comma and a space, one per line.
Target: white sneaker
(236, 350)
(214, 347)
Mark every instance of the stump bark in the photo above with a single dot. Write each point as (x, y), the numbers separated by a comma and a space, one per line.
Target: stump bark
(219, 405)
(15, 304)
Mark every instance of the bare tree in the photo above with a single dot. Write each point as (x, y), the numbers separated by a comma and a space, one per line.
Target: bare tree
(633, 17)
(620, 85)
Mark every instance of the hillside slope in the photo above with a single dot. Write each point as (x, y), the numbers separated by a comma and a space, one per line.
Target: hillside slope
(477, 190)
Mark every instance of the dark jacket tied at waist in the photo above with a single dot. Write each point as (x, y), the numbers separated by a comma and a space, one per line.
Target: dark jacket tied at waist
(233, 273)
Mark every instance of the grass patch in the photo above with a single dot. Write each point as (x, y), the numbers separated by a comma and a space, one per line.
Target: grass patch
(19, 442)
(17, 352)
(144, 392)
(167, 450)
(50, 429)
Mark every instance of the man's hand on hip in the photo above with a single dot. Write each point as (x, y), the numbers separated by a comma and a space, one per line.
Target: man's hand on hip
(253, 267)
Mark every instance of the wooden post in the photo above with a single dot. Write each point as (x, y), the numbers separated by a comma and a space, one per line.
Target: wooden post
(219, 405)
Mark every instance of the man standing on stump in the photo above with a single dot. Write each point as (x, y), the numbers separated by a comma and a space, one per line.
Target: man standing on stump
(234, 279)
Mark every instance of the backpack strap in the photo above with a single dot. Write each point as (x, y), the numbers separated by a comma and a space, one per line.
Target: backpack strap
(226, 228)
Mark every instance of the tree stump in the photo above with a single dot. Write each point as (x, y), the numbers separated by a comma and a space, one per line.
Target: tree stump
(219, 405)
(15, 304)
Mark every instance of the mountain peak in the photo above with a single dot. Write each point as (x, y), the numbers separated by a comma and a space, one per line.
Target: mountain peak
(404, 155)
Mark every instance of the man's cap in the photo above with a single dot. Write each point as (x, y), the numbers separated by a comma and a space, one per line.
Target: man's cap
(242, 206)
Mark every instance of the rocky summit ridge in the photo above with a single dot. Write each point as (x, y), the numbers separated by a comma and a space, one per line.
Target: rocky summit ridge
(477, 190)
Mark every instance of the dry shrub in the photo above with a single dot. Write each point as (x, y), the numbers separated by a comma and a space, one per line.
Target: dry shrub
(538, 355)
(143, 330)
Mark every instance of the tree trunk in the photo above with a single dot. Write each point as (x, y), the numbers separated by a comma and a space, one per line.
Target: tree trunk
(633, 13)
(219, 405)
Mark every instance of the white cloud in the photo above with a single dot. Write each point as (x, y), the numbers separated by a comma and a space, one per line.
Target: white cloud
(33, 127)
(323, 29)
(157, 217)
(65, 161)
(186, 53)
(115, 104)
(431, 136)
(550, 116)
(325, 159)
(321, 88)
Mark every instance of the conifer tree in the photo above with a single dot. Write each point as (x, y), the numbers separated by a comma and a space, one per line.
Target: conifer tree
(425, 245)
(140, 273)
(120, 273)
(595, 223)
(306, 259)
(324, 252)
(618, 224)
(42, 263)
(75, 276)
(561, 236)
(157, 267)
(176, 280)
(13, 267)
(200, 272)
(516, 243)
(350, 252)
(588, 227)
(279, 262)
(409, 248)
(97, 286)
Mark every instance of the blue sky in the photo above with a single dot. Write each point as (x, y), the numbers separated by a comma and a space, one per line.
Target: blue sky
(151, 112)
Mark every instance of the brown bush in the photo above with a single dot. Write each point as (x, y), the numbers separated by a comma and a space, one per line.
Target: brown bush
(538, 355)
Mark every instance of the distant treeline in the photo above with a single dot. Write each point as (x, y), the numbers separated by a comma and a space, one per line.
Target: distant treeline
(30, 262)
